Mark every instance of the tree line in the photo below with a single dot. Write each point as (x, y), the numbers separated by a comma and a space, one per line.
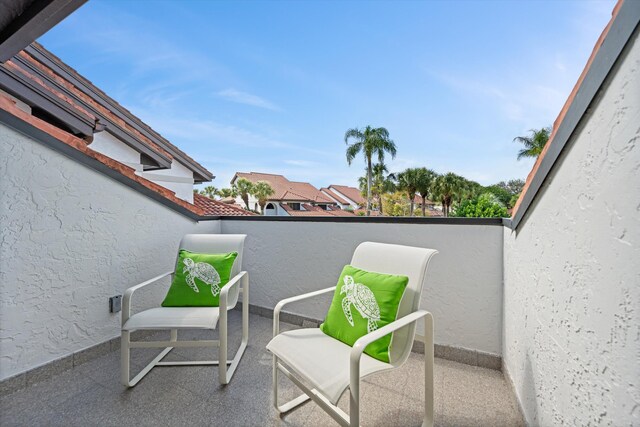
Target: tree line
(394, 194)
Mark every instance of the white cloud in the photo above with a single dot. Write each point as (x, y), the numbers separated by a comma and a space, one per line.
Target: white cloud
(239, 97)
(301, 163)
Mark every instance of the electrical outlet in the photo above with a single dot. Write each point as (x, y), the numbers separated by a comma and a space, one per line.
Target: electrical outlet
(115, 304)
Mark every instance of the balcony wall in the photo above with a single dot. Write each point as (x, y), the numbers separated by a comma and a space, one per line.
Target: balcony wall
(464, 288)
(71, 238)
(572, 283)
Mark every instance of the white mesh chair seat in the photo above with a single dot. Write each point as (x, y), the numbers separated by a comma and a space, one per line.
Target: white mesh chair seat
(174, 318)
(321, 360)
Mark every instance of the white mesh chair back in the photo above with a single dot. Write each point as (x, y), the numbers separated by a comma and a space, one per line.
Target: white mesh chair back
(405, 260)
(218, 244)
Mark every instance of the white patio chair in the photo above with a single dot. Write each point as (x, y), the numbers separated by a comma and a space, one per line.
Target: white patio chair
(323, 367)
(175, 318)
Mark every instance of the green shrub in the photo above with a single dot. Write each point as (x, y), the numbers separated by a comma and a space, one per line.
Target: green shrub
(487, 205)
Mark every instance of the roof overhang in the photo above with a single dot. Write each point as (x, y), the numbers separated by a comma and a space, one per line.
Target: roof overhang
(200, 173)
(23, 21)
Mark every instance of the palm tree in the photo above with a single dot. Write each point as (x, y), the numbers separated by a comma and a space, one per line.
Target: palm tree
(534, 143)
(408, 181)
(210, 191)
(426, 178)
(381, 183)
(262, 191)
(228, 192)
(243, 187)
(370, 141)
(467, 190)
(446, 187)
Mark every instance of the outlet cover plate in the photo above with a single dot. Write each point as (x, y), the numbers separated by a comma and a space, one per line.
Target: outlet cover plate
(115, 304)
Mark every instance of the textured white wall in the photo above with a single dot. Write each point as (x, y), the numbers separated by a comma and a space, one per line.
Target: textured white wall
(464, 288)
(71, 238)
(572, 273)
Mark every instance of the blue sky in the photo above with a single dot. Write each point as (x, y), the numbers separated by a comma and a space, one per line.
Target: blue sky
(271, 86)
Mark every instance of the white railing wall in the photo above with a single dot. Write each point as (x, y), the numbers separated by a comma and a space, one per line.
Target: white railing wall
(464, 288)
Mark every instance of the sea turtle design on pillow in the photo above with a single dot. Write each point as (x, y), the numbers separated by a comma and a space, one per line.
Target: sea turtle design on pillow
(363, 300)
(203, 271)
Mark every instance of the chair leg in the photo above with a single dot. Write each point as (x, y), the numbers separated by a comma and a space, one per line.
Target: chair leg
(428, 371)
(226, 373)
(308, 394)
(125, 357)
(222, 349)
(290, 405)
(354, 398)
(274, 383)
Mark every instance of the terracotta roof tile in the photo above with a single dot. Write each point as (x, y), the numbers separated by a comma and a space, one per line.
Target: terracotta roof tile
(110, 109)
(11, 65)
(334, 196)
(314, 211)
(351, 193)
(116, 103)
(286, 190)
(216, 208)
(84, 97)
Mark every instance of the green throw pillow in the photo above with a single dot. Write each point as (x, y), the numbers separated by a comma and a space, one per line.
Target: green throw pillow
(198, 279)
(363, 302)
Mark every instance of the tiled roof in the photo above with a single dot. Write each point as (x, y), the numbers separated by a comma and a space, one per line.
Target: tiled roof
(80, 145)
(286, 190)
(314, 211)
(334, 196)
(350, 192)
(215, 208)
(42, 69)
(339, 212)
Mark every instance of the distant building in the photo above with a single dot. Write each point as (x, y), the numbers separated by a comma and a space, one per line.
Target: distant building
(218, 208)
(291, 198)
(344, 196)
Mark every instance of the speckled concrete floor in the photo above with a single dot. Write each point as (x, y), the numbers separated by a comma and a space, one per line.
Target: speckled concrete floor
(91, 394)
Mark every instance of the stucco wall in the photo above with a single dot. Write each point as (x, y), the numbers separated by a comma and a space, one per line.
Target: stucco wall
(464, 288)
(71, 238)
(572, 273)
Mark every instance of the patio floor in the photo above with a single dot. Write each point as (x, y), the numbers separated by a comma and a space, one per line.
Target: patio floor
(91, 394)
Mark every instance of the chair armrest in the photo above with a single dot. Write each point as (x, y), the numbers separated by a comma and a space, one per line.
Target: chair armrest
(278, 307)
(224, 292)
(128, 295)
(362, 342)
